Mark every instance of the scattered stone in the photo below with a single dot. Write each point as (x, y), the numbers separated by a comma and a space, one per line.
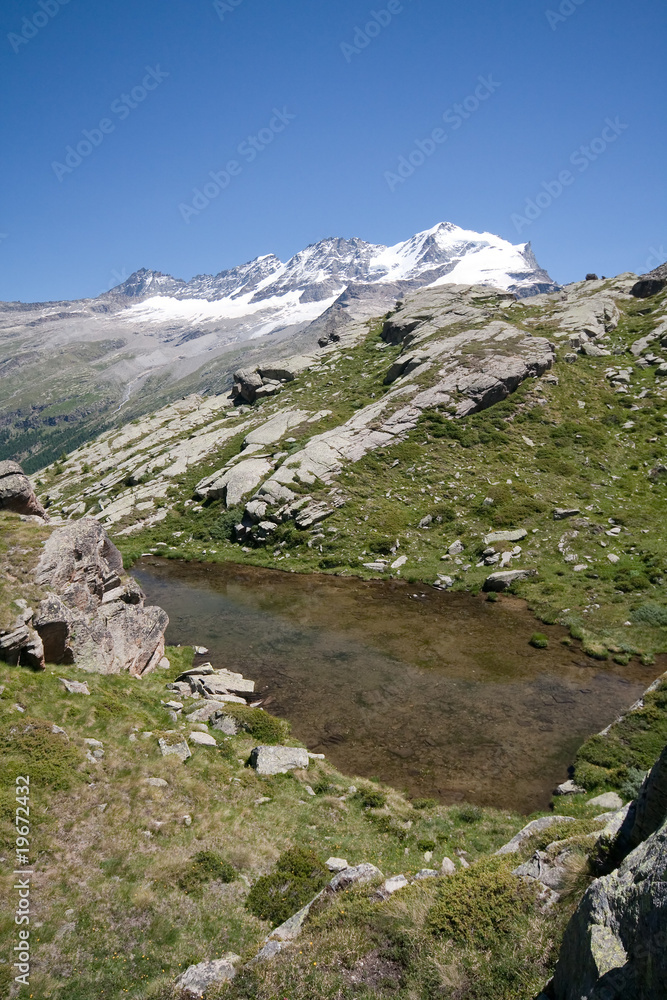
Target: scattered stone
(165, 663)
(180, 750)
(544, 869)
(197, 978)
(336, 865)
(456, 548)
(225, 724)
(535, 826)
(74, 687)
(203, 739)
(401, 561)
(278, 760)
(156, 782)
(447, 867)
(57, 730)
(425, 873)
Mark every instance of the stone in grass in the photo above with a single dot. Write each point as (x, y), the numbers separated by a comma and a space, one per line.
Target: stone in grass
(75, 687)
(608, 800)
(156, 782)
(198, 978)
(515, 535)
(425, 873)
(355, 876)
(336, 865)
(560, 513)
(226, 724)
(536, 826)
(569, 787)
(278, 760)
(203, 739)
(390, 886)
(180, 749)
(503, 580)
(447, 867)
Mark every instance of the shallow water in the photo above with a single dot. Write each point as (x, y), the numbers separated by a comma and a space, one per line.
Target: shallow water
(438, 694)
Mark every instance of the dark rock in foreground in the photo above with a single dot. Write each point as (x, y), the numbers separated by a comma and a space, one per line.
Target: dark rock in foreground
(16, 492)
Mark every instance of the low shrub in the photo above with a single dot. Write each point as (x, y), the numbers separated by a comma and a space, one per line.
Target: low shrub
(371, 798)
(481, 903)
(205, 867)
(650, 614)
(468, 814)
(299, 875)
(30, 747)
(260, 725)
(424, 803)
(634, 781)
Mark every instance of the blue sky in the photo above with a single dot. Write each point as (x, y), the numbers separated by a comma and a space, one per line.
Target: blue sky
(182, 84)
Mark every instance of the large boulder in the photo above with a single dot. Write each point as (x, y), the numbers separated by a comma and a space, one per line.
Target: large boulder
(95, 617)
(80, 552)
(16, 492)
(644, 816)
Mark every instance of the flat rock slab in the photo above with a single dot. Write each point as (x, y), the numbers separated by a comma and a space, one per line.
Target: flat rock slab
(503, 580)
(278, 760)
(203, 739)
(336, 865)
(180, 750)
(504, 536)
(355, 876)
(198, 978)
(536, 826)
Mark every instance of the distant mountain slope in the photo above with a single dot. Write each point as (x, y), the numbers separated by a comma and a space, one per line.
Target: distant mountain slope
(67, 368)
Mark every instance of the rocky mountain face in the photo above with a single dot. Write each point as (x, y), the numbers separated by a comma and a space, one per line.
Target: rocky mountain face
(155, 338)
(614, 945)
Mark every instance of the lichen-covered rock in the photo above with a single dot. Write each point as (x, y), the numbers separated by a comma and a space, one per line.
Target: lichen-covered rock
(278, 760)
(197, 978)
(535, 826)
(16, 492)
(358, 875)
(614, 946)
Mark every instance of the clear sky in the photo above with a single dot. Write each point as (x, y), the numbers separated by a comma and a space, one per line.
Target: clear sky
(181, 85)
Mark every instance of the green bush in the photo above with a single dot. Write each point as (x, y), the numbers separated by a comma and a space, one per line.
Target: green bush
(426, 845)
(468, 814)
(481, 903)
(299, 876)
(634, 781)
(424, 803)
(264, 728)
(650, 614)
(205, 867)
(28, 747)
(370, 798)
(539, 640)
(222, 530)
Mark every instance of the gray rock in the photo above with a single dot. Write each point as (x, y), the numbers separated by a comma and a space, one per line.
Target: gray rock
(505, 578)
(313, 514)
(535, 826)
(456, 548)
(358, 875)
(336, 865)
(609, 800)
(234, 482)
(180, 749)
(268, 760)
(515, 535)
(16, 492)
(569, 787)
(203, 739)
(80, 553)
(560, 513)
(546, 870)
(291, 929)
(156, 782)
(645, 815)
(74, 687)
(197, 978)
(447, 867)
(225, 724)
(390, 886)
(614, 945)
(246, 383)
(205, 712)
(426, 873)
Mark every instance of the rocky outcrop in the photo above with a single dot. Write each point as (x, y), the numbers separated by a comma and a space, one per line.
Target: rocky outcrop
(651, 283)
(197, 978)
(251, 384)
(16, 492)
(614, 946)
(278, 760)
(94, 616)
